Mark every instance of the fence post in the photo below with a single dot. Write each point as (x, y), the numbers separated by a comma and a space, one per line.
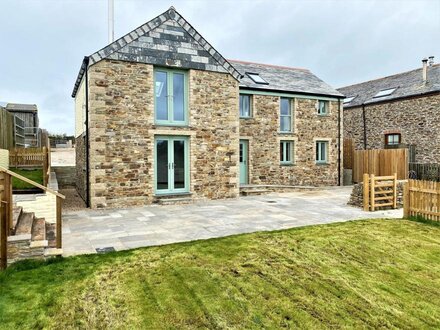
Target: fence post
(406, 199)
(372, 192)
(395, 191)
(366, 192)
(59, 228)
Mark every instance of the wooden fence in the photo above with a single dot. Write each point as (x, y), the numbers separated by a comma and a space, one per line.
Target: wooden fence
(348, 153)
(380, 162)
(380, 191)
(429, 172)
(6, 130)
(422, 198)
(31, 157)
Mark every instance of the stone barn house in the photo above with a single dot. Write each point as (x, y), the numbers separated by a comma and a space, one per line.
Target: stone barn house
(402, 110)
(162, 116)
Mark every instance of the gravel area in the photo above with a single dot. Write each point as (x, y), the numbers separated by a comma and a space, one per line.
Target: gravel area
(73, 201)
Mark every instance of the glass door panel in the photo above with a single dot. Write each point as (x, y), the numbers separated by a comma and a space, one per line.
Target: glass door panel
(179, 164)
(163, 165)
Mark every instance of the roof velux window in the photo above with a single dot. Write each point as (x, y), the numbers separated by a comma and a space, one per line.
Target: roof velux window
(385, 92)
(257, 78)
(349, 99)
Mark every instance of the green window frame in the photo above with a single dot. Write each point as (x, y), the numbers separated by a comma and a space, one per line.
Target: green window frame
(245, 106)
(286, 152)
(323, 106)
(170, 97)
(322, 152)
(286, 122)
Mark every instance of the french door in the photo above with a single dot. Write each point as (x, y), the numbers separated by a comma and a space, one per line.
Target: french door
(171, 164)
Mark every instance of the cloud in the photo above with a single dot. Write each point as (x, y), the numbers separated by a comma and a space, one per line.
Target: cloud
(343, 42)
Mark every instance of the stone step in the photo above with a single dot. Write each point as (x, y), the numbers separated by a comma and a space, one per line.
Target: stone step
(51, 234)
(246, 192)
(25, 223)
(16, 213)
(53, 252)
(175, 201)
(39, 229)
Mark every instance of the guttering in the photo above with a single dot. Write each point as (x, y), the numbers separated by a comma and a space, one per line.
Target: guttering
(82, 70)
(279, 91)
(86, 77)
(364, 121)
(339, 142)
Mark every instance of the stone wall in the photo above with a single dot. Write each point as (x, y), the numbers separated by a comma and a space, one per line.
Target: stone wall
(122, 132)
(20, 247)
(357, 194)
(80, 150)
(66, 175)
(416, 119)
(262, 132)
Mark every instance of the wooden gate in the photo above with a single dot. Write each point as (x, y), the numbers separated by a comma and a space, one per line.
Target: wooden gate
(380, 191)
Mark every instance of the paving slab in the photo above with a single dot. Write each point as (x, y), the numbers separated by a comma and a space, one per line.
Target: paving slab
(86, 230)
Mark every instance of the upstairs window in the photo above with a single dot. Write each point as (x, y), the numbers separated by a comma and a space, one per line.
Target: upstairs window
(322, 107)
(286, 152)
(245, 106)
(392, 139)
(385, 92)
(321, 152)
(285, 115)
(257, 78)
(170, 97)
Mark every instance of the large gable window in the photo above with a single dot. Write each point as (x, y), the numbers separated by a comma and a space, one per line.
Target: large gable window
(170, 97)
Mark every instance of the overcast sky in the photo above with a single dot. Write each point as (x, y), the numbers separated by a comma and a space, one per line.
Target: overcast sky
(343, 42)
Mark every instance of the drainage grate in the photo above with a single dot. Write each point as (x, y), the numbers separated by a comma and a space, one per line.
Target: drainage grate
(105, 250)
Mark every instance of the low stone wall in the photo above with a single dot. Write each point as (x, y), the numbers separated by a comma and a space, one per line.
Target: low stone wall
(4, 158)
(357, 194)
(20, 247)
(66, 175)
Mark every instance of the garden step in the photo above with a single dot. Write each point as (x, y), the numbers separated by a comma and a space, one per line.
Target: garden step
(39, 229)
(25, 223)
(16, 213)
(249, 192)
(50, 234)
(175, 201)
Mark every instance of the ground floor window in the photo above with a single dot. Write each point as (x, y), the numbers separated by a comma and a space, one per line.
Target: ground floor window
(392, 139)
(321, 152)
(286, 152)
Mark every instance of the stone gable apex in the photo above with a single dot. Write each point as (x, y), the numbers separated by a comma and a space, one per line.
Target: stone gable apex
(167, 40)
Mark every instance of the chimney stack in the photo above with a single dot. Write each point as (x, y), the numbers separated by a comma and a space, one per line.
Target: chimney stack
(431, 60)
(425, 69)
(111, 35)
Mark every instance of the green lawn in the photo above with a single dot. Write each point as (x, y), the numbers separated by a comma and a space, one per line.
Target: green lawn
(373, 274)
(33, 174)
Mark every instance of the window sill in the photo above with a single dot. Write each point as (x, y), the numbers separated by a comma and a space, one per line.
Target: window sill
(246, 117)
(323, 115)
(183, 124)
(287, 164)
(286, 133)
(322, 163)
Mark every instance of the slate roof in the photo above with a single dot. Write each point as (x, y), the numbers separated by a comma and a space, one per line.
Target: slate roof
(170, 14)
(407, 84)
(17, 107)
(285, 79)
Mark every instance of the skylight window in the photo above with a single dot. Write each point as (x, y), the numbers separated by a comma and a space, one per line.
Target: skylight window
(385, 92)
(349, 99)
(256, 78)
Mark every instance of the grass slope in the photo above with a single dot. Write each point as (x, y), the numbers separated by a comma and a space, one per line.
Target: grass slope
(32, 174)
(374, 273)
